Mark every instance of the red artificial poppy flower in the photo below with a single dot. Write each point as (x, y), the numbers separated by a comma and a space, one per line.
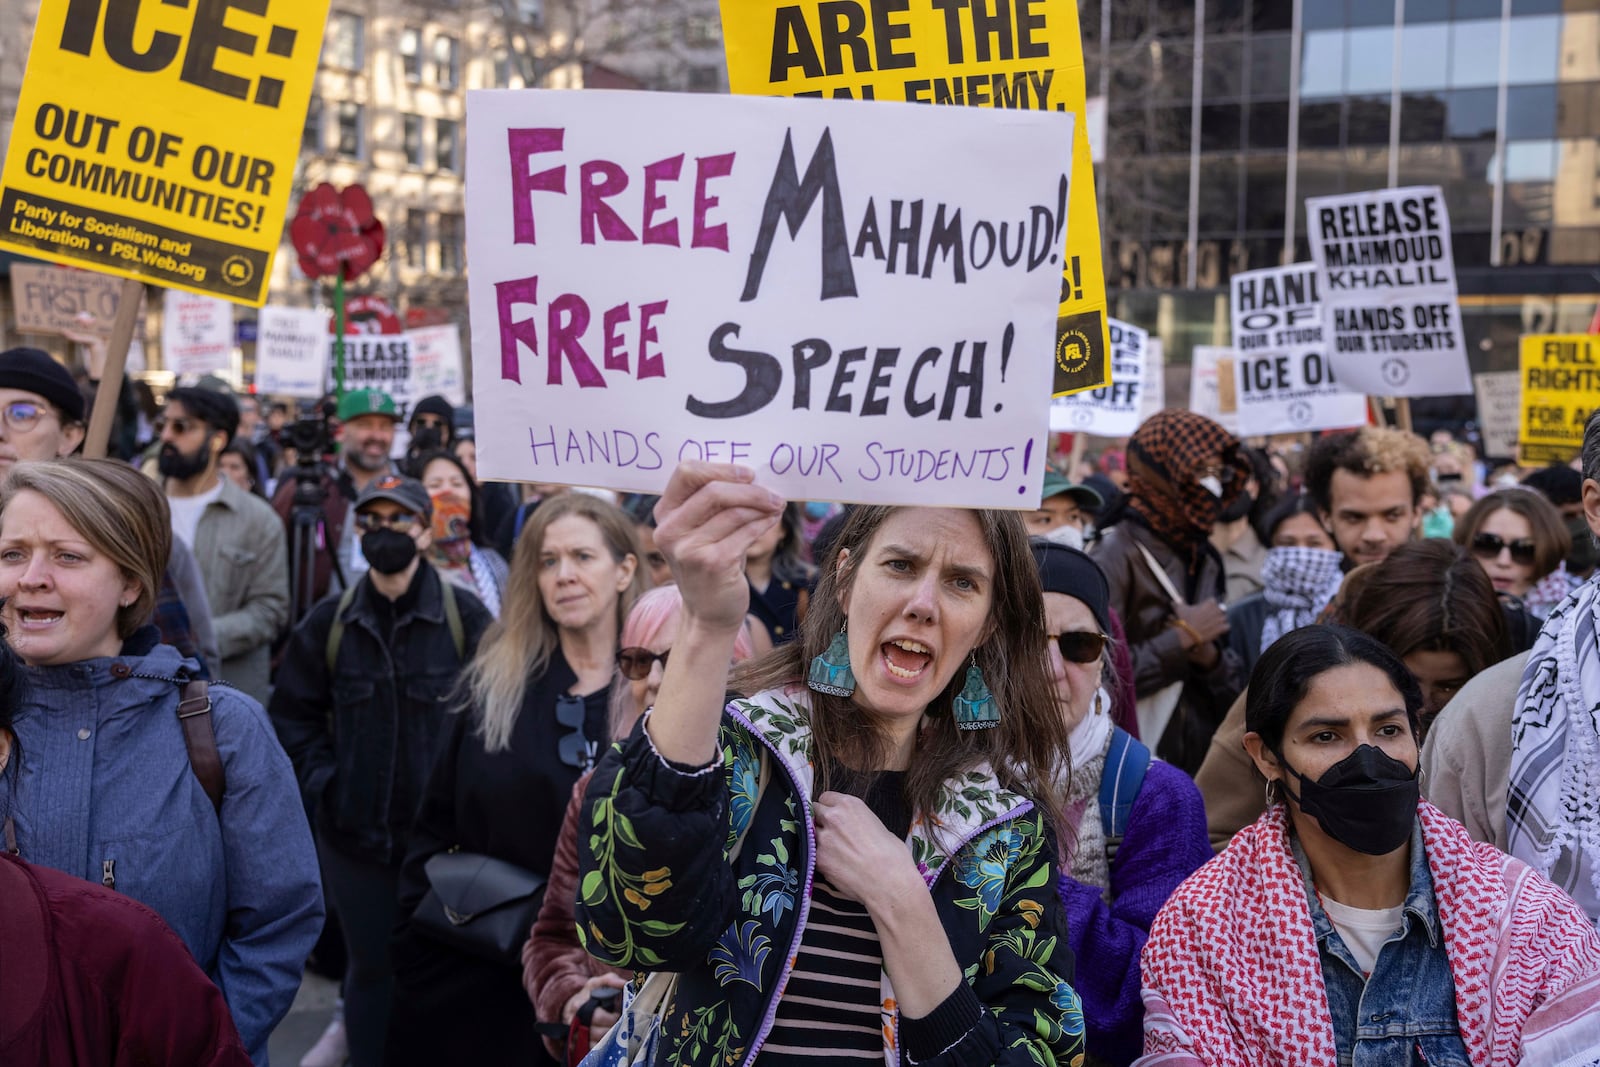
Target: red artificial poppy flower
(335, 231)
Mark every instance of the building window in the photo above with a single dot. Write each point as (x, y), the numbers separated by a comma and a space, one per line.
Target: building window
(446, 144)
(416, 238)
(311, 133)
(411, 53)
(343, 46)
(352, 142)
(700, 31)
(411, 139)
(446, 62)
(452, 234)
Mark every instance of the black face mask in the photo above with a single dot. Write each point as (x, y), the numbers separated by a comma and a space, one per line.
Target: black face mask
(1367, 801)
(172, 463)
(1239, 508)
(388, 551)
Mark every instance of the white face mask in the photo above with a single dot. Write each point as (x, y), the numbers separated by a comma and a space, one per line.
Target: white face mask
(1070, 536)
(1212, 485)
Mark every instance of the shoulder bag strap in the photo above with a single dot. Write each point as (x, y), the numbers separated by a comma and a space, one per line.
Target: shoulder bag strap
(1126, 763)
(336, 631)
(1159, 572)
(200, 738)
(452, 618)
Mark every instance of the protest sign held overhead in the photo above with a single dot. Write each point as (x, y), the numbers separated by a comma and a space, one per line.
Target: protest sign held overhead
(377, 350)
(1213, 386)
(1025, 54)
(436, 363)
(1560, 390)
(196, 334)
(51, 299)
(817, 289)
(158, 141)
(1113, 410)
(1499, 395)
(1153, 392)
(1283, 383)
(1389, 287)
(292, 352)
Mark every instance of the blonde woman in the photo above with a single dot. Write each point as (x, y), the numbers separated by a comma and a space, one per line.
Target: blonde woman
(539, 691)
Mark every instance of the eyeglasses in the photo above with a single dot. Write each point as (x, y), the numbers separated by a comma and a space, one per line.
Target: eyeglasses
(1488, 546)
(368, 521)
(635, 663)
(574, 749)
(24, 415)
(1080, 646)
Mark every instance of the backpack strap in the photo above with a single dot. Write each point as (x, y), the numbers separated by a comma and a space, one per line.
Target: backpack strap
(200, 738)
(336, 631)
(1126, 764)
(452, 619)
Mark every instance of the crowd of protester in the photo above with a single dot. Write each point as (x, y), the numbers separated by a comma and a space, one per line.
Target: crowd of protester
(1220, 755)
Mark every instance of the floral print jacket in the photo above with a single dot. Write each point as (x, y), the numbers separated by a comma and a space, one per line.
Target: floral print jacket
(657, 892)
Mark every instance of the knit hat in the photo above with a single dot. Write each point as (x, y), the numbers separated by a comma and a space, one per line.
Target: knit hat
(34, 371)
(359, 402)
(434, 405)
(1071, 572)
(407, 492)
(217, 409)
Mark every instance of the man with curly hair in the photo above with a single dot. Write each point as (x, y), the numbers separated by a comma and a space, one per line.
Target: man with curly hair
(1368, 486)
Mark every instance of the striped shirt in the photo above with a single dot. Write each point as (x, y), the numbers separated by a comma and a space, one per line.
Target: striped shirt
(830, 1009)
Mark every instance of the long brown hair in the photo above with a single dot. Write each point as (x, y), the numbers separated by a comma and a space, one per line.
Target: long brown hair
(1551, 541)
(1430, 596)
(517, 647)
(1028, 750)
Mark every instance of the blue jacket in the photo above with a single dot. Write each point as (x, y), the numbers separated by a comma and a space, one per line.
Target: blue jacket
(101, 788)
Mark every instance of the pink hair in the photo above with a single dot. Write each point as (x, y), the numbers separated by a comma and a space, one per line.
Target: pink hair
(652, 614)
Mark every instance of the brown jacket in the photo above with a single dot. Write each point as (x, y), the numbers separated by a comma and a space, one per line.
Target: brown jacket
(1234, 790)
(1157, 646)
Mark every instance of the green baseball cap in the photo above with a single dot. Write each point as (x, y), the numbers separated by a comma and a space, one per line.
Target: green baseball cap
(359, 402)
(1056, 483)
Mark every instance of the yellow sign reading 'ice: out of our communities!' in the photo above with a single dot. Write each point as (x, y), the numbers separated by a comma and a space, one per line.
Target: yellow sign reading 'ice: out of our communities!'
(1010, 54)
(158, 140)
(1560, 390)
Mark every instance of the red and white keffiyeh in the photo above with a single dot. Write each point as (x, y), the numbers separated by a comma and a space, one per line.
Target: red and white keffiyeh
(1232, 977)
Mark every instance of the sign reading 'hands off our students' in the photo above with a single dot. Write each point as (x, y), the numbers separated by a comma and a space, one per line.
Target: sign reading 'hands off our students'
(854, 299)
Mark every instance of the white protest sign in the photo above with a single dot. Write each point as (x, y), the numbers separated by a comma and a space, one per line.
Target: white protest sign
(1153, 397)
(1389, 283)
(196, 333)
(1499, 411)
(436, 363)
(1284, 383)
(1112, 410)
(291, 351)
(377, 361)
(1211, 385)
(850, 297)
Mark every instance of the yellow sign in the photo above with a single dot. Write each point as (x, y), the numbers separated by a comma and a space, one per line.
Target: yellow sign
(158, 140)
(1023, 54)
(1560, 389)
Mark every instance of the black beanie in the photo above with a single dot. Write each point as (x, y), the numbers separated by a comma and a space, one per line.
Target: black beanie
(217, 409)
(1071, 572)
(434, 405)
(34, 371)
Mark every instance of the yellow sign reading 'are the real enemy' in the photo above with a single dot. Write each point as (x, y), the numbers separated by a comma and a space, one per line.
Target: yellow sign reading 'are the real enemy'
(158, 140)
(986, 53)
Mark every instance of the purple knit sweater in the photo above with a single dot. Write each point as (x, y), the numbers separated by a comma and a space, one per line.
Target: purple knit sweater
(1166, 842)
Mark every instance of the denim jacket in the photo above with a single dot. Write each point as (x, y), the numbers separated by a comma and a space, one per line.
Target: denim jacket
(1404, 1012)
(102, 789)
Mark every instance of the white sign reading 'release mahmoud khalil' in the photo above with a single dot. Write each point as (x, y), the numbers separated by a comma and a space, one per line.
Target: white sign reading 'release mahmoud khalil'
(856, 299)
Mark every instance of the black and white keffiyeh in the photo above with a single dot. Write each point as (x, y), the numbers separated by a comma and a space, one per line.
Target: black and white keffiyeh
(1299, 583)
(1553, 800)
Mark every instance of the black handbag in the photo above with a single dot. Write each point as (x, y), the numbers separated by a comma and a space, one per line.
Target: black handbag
(480, 905)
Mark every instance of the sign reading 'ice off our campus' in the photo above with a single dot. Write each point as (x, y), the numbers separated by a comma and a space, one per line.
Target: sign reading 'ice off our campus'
(1283, 382)
(1023, 54)
(813, 288)
(1389, 286)
(1115, 409)
(1560, 390)
(158, 140)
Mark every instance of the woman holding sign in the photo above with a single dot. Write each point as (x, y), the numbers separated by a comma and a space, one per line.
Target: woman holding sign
(849, 859)
(1167, 578)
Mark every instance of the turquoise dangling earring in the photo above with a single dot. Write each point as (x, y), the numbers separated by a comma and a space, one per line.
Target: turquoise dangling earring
(975, 708)
(830, 672)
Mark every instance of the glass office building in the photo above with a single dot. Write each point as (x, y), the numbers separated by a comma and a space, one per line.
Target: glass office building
(1222, 116)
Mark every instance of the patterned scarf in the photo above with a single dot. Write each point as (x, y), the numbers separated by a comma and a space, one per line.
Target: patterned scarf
(1090, 741)
(1549, 591)
(1553, 799)
(1232, 977)
(1164, 460)
(1299, 583)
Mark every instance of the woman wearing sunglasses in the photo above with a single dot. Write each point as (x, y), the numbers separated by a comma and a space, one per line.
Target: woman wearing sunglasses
(538, 694)
(1138, 825)
(1522, 542)
(561, 978)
